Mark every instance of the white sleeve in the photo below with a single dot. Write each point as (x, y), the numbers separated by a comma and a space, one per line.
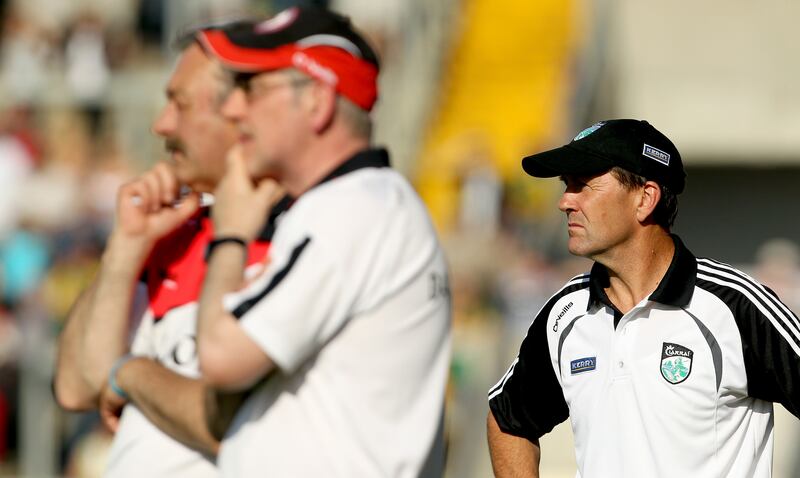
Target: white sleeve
(296, 306)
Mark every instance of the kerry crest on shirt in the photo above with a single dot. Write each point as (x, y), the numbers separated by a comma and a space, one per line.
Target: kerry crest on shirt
(676, 362)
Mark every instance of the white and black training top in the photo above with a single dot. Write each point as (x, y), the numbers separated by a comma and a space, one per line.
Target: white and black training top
(681, 385)
(354, 309)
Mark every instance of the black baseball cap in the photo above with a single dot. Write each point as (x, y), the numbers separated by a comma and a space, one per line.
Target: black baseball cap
(316, 41)
(633, 145)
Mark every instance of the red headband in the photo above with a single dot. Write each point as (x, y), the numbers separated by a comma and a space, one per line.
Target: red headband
(352, 77)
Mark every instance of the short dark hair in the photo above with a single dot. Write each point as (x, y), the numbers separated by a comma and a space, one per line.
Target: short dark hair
(667, 208)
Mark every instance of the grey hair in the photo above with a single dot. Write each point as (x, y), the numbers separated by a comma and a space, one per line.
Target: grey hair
(358, 120)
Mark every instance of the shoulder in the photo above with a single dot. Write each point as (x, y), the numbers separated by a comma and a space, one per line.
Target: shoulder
(741, 293)
(366, 190)
(570, 298)
(365, 201)
(724, 279)
(572, 286)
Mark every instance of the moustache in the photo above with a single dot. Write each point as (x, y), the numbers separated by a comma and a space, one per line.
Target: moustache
(174, 146)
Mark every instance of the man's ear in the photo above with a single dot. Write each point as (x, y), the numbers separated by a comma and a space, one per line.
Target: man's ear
(321, 106)
(648, 200)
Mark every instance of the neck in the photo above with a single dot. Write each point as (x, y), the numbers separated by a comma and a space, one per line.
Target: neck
(636, 269)
(318, 160)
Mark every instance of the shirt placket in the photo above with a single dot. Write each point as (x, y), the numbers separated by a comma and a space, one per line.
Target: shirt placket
(624, 340)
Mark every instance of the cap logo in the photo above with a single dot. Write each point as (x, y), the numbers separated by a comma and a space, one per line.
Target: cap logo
(591, 129)
(278, 22)
(657, 154)
(313, 68)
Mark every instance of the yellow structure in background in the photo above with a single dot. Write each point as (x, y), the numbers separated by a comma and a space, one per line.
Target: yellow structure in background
(504, 94)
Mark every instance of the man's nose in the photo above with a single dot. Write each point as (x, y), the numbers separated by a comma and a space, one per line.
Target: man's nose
(166, 122)
(235, 105)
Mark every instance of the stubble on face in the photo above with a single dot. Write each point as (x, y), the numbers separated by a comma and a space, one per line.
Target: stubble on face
(600, 215)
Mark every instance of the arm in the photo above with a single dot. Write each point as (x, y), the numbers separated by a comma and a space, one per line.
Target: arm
(95, 333)
(526, 403)
(769, 332)
(512, 456)
(176, 404)
(229, 358)
(71, 388)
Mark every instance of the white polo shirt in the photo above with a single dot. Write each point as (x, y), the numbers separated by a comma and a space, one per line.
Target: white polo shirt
(354, 309)
(681, 385)
(166, 329)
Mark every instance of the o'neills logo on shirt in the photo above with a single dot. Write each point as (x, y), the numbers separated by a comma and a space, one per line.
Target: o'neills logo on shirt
(560, 315)
(676, 362)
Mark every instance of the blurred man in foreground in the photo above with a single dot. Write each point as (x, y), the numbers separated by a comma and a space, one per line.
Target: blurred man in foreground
(346, 333)
(146, 291)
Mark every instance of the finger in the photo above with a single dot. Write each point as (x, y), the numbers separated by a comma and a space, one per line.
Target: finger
(134, 193)
(167, 181)
(187, 207)
(109, 419)
(269, 191)
(151, 182)
(234, 155)
(235, 162)
(113, 423)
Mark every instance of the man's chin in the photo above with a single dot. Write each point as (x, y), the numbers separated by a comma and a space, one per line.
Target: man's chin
(176, 157)
(187, 177)
(578, 248)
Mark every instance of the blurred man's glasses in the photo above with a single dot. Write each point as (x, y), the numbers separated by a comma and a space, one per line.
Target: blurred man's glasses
(253, 89)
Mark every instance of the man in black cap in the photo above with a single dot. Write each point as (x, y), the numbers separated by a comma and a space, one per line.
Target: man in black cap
(666, 364)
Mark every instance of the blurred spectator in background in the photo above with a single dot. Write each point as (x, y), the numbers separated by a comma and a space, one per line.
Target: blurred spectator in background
(18, 158)
(778, 267)
(380, 22)
(26, 49)
(150, 21)
(10, 344)
(481, 196)
(87, 68)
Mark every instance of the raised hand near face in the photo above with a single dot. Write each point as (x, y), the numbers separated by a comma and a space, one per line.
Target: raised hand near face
(241, 206)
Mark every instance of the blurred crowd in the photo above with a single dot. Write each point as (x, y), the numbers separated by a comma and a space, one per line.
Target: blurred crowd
(60, 165)
(64, 152)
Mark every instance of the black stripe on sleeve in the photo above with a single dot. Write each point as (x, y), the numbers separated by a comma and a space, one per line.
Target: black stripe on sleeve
(767, 301)
(242, 309)
(771, 364)
(756, 288)
(529, 401)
